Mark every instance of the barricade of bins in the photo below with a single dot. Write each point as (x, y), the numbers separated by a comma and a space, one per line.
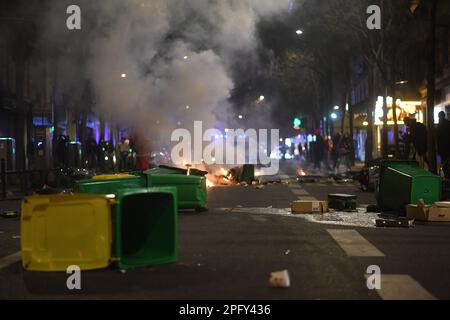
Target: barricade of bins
(127, 220)
(191, 189)
(134, 228)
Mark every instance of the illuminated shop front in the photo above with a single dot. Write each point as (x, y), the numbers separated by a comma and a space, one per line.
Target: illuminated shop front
(411, 109)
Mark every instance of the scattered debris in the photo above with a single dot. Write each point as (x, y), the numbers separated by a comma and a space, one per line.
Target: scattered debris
(307, 179)
(342, 202)
(280, 279)
(47, 190)
(373, 208)
(9, 214)
(395, 223)
(439, 212)
(361, 218)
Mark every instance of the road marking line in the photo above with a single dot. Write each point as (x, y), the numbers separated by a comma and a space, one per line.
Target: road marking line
(354, 244)
(402, 287)
(300, 192)
(8, 260)
(304, 198)
(259, 219)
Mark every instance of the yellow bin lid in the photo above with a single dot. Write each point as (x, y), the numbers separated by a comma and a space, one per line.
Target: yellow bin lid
(112, 176)
(58, 231)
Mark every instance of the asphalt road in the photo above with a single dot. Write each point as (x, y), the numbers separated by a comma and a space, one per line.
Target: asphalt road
(229, 255)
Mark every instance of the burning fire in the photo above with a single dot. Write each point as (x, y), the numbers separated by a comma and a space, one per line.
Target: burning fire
(217, 176)
(301, 172)
(209, 183)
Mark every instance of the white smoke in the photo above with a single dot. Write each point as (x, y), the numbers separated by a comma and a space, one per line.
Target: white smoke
(150, 59)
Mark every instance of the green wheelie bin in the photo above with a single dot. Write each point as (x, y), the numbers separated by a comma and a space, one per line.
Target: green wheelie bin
(404, 182)
(191, 190)
(145, 227)
(109, 186)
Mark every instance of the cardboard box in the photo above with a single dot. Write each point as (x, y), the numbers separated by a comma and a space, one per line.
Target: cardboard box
(311, 207)
(439, 212)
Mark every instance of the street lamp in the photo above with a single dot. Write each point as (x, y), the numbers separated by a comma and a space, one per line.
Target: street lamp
(261, 98)
(336, 107)
(334, 115)
(123, 75)
(240, 116)
(299, 32)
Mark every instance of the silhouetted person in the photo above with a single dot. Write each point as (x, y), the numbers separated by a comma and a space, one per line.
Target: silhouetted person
(124, 150)
(91, 151)
(443, 143)
(345, 149)
(318, 151)
(61, 150)
(419, 138)
(406, 137)
(335, 151)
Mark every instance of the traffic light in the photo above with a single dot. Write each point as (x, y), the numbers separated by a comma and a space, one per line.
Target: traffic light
(297, 123)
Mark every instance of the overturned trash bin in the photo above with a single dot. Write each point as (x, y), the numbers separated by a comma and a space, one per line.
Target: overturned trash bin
(191, 190)
(404, 182)
(106, 185)
(145, 227)
(174, 170)
(58, 231)
(247, 173)
(135, 228)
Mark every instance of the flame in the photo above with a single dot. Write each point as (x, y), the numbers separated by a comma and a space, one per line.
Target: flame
(209, 183)
(301, 172)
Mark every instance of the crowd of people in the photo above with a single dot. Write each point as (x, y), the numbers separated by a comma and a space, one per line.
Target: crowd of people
(329, 153)
(416, 142)
(93, 155)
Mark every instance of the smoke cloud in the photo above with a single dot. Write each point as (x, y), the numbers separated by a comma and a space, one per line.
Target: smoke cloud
(161, 64)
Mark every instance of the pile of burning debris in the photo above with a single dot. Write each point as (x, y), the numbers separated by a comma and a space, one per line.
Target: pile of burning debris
(221, 176)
